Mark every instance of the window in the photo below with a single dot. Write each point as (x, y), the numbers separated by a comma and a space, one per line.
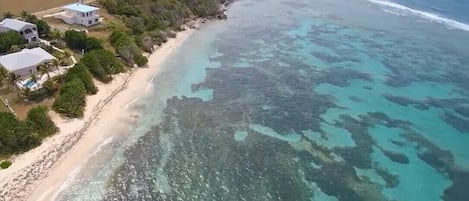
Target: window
(96, 20)
(89, 22)
(83, 14)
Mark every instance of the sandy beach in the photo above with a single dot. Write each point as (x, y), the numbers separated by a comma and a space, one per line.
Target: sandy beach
(30, 177)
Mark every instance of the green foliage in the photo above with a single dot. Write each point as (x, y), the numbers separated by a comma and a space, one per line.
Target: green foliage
(43, 28)
(71, 101)
(16, 136)
(9, 39)
(149, 21)
(91, 61)
(127, 48)
(79, 41)
(81, 72)
(102, 64)
(5, 164)
(140, 60)
(40, 122)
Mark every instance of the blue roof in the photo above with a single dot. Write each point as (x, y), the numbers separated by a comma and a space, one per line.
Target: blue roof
(81, 7)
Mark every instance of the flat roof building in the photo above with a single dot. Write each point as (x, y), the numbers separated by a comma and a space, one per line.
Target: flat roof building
(25, 62)
(78, 13)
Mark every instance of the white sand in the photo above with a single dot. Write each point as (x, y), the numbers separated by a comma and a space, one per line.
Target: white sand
(39, 173)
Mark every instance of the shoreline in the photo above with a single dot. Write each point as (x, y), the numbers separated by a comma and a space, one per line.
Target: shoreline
(28, 178)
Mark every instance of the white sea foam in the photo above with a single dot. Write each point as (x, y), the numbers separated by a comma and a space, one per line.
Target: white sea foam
(429, 16)
(72, 176)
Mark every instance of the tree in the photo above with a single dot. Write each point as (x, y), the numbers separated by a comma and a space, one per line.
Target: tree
(40, 122)
(81, 72)
(140, 60)
(44, 69)
(79, 41)
(9, 39)
(75, 39)
(66, 55)
(91, 61)
(16, 136)
(24, 14)
(71, 99)
(55, 34)
(42, 27)
(3, 75)
(92, 44)
(12, 78)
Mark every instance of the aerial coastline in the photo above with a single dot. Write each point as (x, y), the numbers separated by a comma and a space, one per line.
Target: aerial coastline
(39, 173)
(80, 137)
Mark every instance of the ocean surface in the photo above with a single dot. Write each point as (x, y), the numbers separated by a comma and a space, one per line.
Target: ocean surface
(323, 100)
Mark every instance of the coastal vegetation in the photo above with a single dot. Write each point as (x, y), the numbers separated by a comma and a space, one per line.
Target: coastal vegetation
(5, 164)
(127, 48)
(143, 24)
(78, 40)
(18, 136)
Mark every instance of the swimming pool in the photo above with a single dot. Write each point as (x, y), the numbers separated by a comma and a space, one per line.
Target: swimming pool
(30, 83)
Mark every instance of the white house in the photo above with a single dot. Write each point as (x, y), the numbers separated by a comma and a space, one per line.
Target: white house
(25, 29)
(25, 62)
(79, 13)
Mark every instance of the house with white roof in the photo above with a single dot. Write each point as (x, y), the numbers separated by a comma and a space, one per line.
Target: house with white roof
(25, 29)
(78, 13)
(25, 62)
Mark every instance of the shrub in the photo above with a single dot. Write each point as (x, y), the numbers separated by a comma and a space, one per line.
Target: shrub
(81, 72)
(15, 135)
(71, 99)
(9, 39)
(40, 122)
(79, 41)
(140, 60)
(5, 164)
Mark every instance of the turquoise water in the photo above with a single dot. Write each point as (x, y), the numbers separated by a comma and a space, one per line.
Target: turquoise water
(307, 100)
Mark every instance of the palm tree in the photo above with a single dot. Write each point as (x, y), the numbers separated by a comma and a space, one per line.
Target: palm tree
(12, 78)
(3, 75)
(66, 55)
(56, 64)
(44, 69)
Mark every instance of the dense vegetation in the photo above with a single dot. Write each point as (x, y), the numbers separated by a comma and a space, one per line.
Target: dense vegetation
(127, 48)
(19, 136)
(145, 23)
(78, 40)
(102, 64)
(39, 121)
(152, 22)
(71, 99)
(9, 39)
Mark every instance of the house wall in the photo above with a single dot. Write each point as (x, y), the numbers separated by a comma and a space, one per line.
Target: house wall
(25, 72)
(85, 19)
(32, 36)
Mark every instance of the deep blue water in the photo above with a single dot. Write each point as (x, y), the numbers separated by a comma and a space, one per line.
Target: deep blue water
(300, 100)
